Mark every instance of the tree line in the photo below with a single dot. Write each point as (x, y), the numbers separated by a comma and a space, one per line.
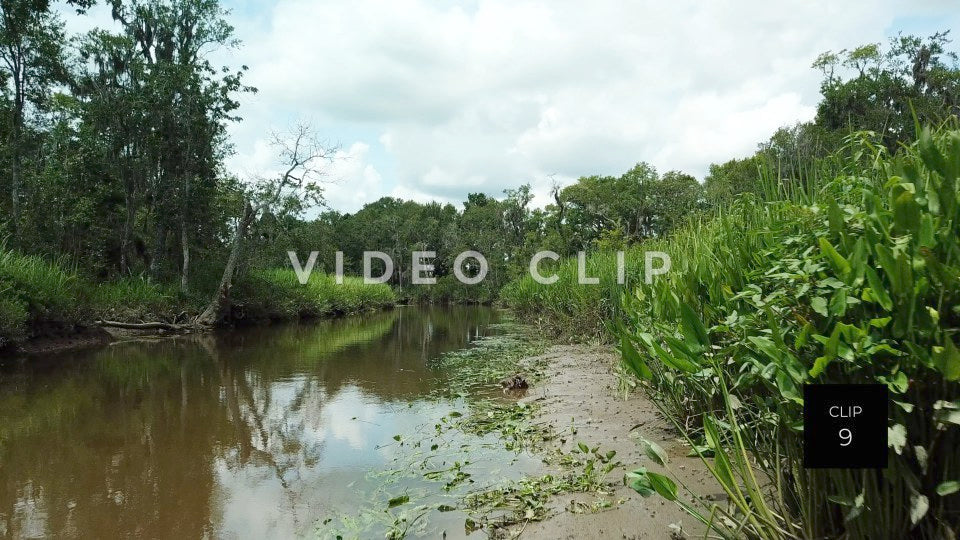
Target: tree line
(113, 144)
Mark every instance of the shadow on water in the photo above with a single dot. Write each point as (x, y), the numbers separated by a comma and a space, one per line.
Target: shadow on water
(256, 433)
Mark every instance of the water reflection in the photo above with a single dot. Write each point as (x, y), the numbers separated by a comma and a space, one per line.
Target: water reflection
(254, 433)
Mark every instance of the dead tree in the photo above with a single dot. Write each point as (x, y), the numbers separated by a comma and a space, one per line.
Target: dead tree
(301, 155)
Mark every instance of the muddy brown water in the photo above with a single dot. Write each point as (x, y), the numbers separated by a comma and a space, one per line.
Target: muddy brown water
(258, 433)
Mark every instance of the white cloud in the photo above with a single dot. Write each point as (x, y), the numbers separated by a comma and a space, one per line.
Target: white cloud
(351, 180)
(490, 94)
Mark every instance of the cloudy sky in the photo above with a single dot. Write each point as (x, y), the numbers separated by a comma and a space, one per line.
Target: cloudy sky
(433, 100)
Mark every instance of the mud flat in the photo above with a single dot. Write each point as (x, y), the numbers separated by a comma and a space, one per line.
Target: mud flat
(579, 391)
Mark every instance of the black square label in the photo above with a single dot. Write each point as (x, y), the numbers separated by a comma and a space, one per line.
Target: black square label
(845, 426)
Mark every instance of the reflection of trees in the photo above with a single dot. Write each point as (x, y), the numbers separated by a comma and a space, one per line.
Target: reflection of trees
(127, 440)
(108, 451)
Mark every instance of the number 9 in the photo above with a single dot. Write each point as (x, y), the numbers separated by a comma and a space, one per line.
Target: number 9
(847, 436)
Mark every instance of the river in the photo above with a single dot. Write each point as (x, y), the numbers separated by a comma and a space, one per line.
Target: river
(263, 432)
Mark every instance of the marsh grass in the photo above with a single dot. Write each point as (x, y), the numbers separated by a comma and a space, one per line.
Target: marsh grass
(854, 285)
(33, 290)
(277, 294)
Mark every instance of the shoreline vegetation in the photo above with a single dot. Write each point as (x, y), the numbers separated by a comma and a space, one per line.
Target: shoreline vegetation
(46, 301)
(849, 276)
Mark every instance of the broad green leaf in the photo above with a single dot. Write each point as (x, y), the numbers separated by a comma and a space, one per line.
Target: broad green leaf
(889, 265)
(919, 504)
(880, 323)
(774, 325)
(787, 387)
(839, 263)
(932, 157)
(897, 438)
(654, 451)
(819, 304)
(679, 348)
(767, 347)
(819, 365)
(947, 360)
(830, 349)
(907, 407)
(631, 358)
(906, 213)
(898, 383)
(879, 291)
(835, 217)
(676, 362)
(803, 337)
(926, 236)
(948, 488)
(663, 485)
(947, 412)
(639, 481)
(694, 332)
(838, 304)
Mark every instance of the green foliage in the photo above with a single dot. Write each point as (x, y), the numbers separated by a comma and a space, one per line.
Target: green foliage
(277, 294)
(884, 91)
(35, 293)
(134, 299)
(638, 204)
(33, 290)
(859, 287)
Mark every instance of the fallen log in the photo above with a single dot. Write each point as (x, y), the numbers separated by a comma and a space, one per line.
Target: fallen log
(147, 326)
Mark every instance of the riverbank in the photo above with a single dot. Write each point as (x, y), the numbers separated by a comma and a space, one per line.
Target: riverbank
(48, 307)
(849, 280)
(580, 391)
(561, 449)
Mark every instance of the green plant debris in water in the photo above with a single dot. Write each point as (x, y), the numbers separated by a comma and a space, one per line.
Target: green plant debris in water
(527, 499)
(455, 469)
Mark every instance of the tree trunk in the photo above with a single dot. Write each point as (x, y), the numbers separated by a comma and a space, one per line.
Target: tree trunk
(221, 298)
(185, 269)
(184, 239)
(15, 193)
(159, 249)
(127, 231)
(16, 164)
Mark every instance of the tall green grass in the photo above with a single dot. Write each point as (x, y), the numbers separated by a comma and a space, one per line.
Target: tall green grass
(137, 298)
(851, 280)
(33, 290)
(277, 294)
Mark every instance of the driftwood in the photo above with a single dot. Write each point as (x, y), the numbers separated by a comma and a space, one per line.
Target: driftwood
(148, 326)
(514, 382)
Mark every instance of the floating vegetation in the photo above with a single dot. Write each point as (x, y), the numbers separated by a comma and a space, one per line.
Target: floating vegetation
(491, 359)
(514, 422)
(461, 468)
(526, 500)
